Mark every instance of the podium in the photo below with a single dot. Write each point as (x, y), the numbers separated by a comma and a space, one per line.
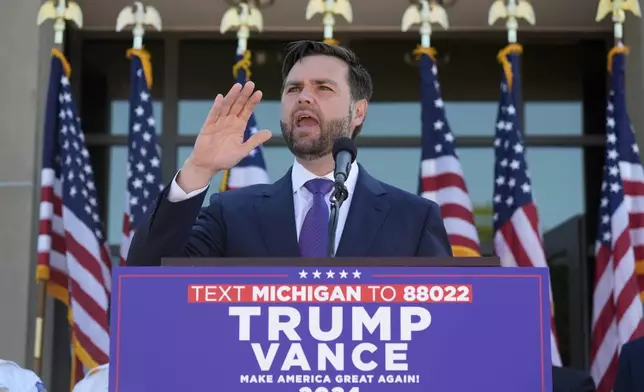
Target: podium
(330, 325)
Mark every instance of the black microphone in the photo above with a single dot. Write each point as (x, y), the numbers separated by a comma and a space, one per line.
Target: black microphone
(344, 153)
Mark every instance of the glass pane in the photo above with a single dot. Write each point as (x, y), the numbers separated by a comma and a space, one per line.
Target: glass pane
(116, 194)
(192, 114)
(120, 117)
(383, 118)
(553, 170)
(553, 118)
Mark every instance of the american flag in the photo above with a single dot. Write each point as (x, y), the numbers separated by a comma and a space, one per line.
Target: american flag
(617, 309)
(144, 178)
(441, 176)
(630, 166)
(252, 169)
(73, 256)
(517, 236)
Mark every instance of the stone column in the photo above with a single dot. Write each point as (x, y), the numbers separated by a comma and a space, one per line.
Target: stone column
(24, 68)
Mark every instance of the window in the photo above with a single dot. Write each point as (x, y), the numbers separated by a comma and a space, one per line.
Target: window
(553, 118)
(383, 118)
(551, 169)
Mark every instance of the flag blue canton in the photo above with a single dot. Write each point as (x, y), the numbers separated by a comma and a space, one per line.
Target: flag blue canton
(144, 177)
(618, 122)
(620, 146)
(512, 185)
(78, 187)
(437, 137)
(256, 157)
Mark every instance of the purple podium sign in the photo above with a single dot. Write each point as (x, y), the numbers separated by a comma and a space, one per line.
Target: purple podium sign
(330, 329)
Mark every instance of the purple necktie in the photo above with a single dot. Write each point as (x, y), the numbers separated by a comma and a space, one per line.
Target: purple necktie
(314, 236)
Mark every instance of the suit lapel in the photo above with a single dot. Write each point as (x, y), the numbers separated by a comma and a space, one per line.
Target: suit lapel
(368, 210)
(275, 210)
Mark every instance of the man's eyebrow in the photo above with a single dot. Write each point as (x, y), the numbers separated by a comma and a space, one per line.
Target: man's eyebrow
(314, 81)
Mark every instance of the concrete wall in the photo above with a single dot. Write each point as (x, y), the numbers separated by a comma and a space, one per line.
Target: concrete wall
(24, 67)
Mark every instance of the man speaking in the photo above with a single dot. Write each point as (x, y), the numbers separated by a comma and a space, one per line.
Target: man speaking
(325, 94)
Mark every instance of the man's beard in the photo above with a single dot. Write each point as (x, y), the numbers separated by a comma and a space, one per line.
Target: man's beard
(323, 145)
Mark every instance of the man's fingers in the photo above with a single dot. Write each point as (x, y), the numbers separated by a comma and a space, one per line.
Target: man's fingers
(215, 109)
(242, 98)
(257, 140)
(250, 105)
(230, 98)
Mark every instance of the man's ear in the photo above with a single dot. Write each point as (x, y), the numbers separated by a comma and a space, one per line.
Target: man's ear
(359, 113)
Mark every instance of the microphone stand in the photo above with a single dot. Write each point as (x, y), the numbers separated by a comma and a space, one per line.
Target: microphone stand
(339, 195)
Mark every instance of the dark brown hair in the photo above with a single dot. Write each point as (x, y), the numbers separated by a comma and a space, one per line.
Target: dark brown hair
(359, 79)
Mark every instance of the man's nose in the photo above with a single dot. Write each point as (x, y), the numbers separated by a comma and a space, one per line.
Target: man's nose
(305, 96)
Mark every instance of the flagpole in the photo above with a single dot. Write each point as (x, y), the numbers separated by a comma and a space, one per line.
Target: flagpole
(512, 12)
(329, 9)
(438, 153)
(138, 16)
(60, 13)
(510, 109)
(618, 9)
(617, 314)
(243, 16)
(424, 13)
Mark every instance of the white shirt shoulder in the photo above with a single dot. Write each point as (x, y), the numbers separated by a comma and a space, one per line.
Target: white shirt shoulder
(16, 378)
(96, 380)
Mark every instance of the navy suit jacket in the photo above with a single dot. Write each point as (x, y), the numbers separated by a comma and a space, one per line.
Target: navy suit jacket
(630, 373)
(566, 379)
(259, 221)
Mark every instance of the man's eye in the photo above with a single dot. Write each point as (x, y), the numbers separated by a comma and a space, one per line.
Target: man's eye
(325, 88)
(291, 89)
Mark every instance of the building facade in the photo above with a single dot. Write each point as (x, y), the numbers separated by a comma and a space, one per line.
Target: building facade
(564, 78)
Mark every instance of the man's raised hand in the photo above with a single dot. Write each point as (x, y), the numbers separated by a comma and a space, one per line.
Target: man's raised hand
(220, 144)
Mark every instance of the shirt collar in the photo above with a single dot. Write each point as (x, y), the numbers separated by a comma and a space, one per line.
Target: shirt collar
(300, 175)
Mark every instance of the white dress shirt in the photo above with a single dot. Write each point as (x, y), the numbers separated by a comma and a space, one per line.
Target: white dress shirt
(13, 378)
(302, 198)
(96, 380)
